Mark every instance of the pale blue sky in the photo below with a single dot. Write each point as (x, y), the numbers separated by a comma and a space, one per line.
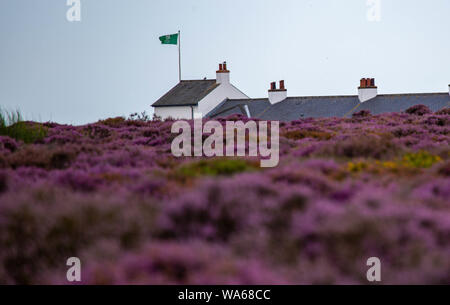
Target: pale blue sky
(112, 63)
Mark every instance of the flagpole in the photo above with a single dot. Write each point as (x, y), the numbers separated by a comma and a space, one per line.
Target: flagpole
(179, 55)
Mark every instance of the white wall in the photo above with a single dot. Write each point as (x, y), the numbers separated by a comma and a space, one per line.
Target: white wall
(223, 77)
(176, 112)
(366, 94)
(277, 96)
(217, 96)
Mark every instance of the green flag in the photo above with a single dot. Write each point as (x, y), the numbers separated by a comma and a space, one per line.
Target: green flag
(169, 39)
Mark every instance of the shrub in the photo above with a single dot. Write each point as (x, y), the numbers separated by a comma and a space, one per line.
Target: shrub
(3, 182)
(420, 159)
(444, 111)
(97, 132)
(114, 122)
(12, 125)
(30, 156)
(42, 157)
(444, 169)
(214, 167)
(6, 143)
(168, 263)
(437, 120)
(362, 147)
(142, 117)
(61, 159)
(357, 167)
(418, 110)
(44, 227)
(362, 114)
(302, 134)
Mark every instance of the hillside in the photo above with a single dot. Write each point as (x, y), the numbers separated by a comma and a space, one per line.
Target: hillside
(345, 190)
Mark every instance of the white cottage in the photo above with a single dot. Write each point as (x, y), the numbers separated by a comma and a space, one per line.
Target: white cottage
(219, 98)
(195, 98)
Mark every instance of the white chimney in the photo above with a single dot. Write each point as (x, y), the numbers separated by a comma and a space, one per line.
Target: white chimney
(277, 95)
(367, 90)
(449, 89)
(223, 75)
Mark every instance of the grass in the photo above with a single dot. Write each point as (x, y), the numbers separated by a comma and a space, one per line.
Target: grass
(409, 163)
(301, 134)
(214, 167)
(12, 125)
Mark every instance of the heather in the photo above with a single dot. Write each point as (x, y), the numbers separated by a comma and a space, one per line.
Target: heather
(112, 194)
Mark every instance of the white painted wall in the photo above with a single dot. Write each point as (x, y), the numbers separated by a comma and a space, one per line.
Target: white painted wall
(223, 77)
(217, 96)
(176, 112)
(276, 96)
(366, 94)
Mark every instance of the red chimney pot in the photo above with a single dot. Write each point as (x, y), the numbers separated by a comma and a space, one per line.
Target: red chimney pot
(363, 83)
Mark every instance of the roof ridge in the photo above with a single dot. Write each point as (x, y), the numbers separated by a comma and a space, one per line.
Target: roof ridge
(410, 94)
(347, 96)
(197, 80)
(246, 99)
(179, 96)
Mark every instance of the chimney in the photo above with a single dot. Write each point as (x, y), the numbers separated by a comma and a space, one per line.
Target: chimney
(277, 95)
(223, 75)
(449, 89)
(367, 90)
